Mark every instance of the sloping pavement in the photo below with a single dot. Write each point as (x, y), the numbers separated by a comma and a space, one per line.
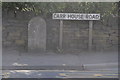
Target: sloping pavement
(79, 61)
(51, 65)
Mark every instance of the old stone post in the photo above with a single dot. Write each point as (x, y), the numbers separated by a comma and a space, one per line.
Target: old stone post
(37, 34)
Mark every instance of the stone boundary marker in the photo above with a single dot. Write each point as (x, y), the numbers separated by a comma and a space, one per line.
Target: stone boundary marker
(37, 34)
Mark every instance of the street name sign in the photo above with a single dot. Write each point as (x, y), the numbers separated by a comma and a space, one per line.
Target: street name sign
(76, 16)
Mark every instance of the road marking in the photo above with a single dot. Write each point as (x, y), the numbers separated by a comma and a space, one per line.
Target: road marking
(62, 74)
(98, 75)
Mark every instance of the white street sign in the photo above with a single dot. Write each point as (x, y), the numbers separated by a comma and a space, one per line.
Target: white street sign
(76, 16)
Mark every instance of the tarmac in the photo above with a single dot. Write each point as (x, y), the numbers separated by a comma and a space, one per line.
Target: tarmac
(54, 65)
(82, 61)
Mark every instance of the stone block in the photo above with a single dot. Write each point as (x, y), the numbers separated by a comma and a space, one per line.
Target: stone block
(20, 42)
(7, 43)
(12, 34)
(3, 28)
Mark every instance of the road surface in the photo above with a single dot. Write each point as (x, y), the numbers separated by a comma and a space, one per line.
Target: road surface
(59, 74)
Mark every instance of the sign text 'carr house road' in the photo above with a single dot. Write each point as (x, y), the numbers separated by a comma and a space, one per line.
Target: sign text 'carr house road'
(76, 16)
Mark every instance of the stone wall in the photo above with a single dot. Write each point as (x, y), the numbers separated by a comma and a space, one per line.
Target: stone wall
(105, 38)
(75, 34)
(15, 30)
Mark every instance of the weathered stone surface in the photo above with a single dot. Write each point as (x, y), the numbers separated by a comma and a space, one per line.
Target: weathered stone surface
(7, 43)
(20, 42)
(37, 34)
(14, 34)
(75, 34)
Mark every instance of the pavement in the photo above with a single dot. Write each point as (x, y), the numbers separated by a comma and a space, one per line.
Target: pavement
(53, 65)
